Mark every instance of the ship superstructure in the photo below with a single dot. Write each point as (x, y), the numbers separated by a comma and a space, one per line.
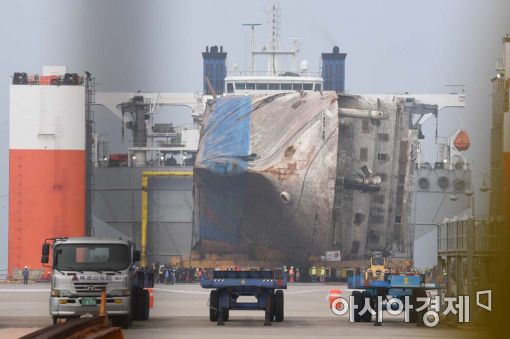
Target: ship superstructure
(273, 80)
(47, 161)
(156, 147)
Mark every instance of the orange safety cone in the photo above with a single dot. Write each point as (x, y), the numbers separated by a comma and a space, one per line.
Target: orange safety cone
(151, 297)
(335, 294)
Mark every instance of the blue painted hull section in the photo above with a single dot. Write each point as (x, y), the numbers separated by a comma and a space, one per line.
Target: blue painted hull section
(226, 136)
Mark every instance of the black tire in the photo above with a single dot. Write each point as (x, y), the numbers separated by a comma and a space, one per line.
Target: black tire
(135, 300)
(417, 317)
(214, 305)
(358, 299)
(141, 310)
(278, 306)
(55, 320)
(367, 316)
(121, 321)
(272, 315)
(134, 304)
(131, 318)
(225, 314)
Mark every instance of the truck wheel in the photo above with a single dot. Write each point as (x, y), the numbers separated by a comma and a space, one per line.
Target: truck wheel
(121, 321)
(131, 315)
(134, 304)
(55, 320)
(143, 305)
(367, 316)
(278, 306)
(214, 305)
(137, 304)
(358, 302)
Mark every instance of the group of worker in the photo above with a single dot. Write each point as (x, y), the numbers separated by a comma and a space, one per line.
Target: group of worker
(294, 275)
(164, 274)
(322, 274)
(169, 275)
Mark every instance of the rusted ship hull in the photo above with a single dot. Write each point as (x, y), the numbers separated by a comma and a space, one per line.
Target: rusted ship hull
(265, 175)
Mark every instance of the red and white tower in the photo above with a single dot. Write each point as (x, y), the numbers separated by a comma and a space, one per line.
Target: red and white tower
(46, 162)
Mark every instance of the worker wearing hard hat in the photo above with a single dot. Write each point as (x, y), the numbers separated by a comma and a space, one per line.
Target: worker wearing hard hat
(291, 274)
(323, 274)
(313, 273)
(26, 273)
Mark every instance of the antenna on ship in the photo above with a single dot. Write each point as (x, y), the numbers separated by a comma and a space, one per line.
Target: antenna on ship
(252, 46)
(274, 20)
(295, 50)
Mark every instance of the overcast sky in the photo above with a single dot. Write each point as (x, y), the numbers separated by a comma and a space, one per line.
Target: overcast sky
(391, 46)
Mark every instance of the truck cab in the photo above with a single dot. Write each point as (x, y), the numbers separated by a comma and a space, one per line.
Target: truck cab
(83, 267)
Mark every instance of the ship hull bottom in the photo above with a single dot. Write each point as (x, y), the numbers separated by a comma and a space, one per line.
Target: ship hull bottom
(245, 217)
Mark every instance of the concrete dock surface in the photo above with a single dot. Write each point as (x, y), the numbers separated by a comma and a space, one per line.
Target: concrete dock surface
(181, 311)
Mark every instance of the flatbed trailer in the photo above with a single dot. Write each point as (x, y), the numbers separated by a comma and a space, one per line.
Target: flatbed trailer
(397, 286)
(228, 286)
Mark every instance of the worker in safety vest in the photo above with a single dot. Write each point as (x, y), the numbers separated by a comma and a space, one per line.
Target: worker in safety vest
(323, 274)
(314, 273)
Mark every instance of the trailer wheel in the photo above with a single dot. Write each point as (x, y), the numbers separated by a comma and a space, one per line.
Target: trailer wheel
(417, 317)
(272, 315)
(278, 306)
(367, 316)
(214, 305)
(226, 314)
(358, 302)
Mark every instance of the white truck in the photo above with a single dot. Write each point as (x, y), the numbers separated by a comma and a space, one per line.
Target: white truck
(83, 267)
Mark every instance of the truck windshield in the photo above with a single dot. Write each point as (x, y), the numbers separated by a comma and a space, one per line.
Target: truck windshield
(378, 261)
(99, 257)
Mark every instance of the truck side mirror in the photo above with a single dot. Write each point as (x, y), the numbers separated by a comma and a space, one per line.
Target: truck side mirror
(46, 249)
(136, 256)
(45, 259)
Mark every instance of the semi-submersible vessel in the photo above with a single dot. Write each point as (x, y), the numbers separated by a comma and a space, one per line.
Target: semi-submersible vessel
(289, 166)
